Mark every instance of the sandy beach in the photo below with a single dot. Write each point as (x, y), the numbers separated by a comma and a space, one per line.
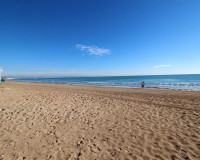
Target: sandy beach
(70, 122)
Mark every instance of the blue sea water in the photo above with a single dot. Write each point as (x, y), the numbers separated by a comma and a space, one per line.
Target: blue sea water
(188, 82)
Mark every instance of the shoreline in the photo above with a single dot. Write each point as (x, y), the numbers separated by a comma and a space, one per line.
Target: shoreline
(195, 90)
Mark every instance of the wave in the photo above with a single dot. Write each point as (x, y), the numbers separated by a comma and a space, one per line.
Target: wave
(138, 83)
(189, 86)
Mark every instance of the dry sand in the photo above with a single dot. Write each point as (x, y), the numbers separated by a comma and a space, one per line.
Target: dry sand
(59, 121)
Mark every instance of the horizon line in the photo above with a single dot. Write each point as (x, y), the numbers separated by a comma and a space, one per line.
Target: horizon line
(15, 77)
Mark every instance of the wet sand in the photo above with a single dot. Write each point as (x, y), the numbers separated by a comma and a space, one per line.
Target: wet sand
(71, 122)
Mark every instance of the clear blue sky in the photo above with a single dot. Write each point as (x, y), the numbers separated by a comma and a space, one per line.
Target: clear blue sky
(99, 37)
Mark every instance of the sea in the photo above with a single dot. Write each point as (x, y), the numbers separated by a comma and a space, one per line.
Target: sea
(183, 82)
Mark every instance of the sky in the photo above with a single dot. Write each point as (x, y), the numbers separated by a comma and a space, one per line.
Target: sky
(52, 38)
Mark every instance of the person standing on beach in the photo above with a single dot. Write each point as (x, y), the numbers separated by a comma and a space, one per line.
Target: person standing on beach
(142, 84)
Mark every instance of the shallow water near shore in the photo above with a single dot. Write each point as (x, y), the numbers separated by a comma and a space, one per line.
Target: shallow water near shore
(186, 82)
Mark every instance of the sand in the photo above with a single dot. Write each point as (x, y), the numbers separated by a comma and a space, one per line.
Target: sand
(70, 122)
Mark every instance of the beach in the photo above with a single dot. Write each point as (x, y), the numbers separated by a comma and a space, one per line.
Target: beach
(76, 122)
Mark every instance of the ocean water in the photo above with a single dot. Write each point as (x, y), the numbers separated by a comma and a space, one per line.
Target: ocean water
(188, 82)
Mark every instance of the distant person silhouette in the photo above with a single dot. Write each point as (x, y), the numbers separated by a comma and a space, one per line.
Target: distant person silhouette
(142, 84)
